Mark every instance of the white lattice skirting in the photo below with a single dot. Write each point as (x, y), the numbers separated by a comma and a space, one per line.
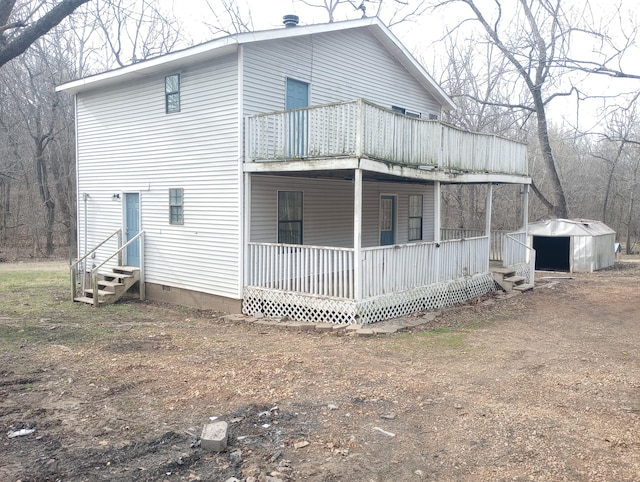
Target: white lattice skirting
(303, 307)
(523, 269)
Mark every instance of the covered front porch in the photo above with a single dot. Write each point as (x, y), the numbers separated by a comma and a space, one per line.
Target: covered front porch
(342, 272)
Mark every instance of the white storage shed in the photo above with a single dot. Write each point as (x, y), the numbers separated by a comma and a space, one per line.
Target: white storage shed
(573, 245)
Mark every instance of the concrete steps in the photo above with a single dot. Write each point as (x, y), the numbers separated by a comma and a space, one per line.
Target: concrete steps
(507, 279)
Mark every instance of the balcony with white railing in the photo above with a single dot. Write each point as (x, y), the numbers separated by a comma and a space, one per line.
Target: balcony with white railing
(361, 129)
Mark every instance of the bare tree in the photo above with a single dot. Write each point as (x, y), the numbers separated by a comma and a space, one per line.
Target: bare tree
(230, 17)
(391, 12)
(135, 30)
(21, 25)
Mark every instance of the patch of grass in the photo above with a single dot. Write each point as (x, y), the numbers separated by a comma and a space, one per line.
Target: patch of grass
(32, 292)
(439, 338)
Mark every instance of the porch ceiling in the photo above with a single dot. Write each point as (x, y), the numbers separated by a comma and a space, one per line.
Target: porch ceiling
(376, 170)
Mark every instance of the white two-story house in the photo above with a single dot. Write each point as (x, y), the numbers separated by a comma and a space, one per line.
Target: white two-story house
(292, 172)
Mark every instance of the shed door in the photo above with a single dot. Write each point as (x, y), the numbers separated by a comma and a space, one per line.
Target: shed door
(297, 97)
(552, 253)
(387, 220)
(132, 227)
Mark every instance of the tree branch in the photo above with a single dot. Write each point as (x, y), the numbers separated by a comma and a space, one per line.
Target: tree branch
(34, 31)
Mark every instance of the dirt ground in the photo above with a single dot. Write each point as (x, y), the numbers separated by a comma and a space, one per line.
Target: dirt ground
(544, 386)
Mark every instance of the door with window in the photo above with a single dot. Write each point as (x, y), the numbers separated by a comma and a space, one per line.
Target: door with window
(132, 227)
(297, 97)
(387, 219)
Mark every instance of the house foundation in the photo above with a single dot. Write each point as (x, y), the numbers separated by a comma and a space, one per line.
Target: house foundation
(193, 299)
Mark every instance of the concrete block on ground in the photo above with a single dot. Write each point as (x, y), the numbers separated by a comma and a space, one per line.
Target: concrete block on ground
(353, 328)
(324, 327)
(337, 328)
(365, 332)
(214, 436)
(385, 330)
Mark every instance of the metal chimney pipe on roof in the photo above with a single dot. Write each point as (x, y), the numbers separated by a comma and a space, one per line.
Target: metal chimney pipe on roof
(290, 20)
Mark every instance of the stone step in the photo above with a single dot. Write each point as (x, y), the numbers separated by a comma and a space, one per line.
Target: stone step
(523, 287)
(515, 279)
(503, 271)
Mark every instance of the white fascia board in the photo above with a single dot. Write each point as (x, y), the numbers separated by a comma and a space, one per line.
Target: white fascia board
(229, 44)
(174, 60)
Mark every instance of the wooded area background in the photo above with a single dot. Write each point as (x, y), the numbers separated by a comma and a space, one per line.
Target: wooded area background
(507, 64)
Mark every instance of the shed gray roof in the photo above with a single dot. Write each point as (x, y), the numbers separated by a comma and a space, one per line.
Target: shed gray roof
(569, 227)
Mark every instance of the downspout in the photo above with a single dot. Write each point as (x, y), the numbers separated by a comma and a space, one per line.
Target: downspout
(244, 186)
(85, 198)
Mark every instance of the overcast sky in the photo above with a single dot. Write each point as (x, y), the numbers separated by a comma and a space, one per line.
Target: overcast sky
(420, 37)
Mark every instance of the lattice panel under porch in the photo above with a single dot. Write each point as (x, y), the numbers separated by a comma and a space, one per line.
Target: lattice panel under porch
(300, 307)
(522, 269)
(429, 297)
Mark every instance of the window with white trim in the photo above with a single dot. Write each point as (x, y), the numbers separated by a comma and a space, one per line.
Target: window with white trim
(172, 93)
(176, 206)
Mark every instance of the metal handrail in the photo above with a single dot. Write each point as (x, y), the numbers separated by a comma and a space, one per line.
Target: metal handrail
(532, 257)
(94, 271)
(74, 266)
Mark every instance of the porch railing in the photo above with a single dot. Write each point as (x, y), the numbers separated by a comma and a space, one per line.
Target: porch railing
(362, 129)
(516, 251)
(389, 269)
(89, 277)
(497, 235)
(328, 271)
(315, 270)
(80, 264)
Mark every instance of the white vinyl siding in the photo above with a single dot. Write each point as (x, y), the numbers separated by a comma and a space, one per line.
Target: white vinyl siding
(328, 219)
(126, 143)
(364, 69)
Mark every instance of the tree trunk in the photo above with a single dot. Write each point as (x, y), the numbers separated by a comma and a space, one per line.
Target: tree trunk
(45, 193)
(559, 202)
(5, 200)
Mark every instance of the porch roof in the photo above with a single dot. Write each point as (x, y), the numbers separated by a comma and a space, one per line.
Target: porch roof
(377, 170)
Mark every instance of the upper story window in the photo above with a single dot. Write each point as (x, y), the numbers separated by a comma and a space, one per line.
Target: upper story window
(172, 93)
(176, 206)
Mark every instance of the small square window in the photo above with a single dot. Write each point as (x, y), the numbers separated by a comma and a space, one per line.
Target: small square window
(415, 217)
(176, 206)
(172, 93)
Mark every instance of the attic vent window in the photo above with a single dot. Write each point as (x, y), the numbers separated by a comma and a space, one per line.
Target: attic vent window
(172, 93)
(403, 111)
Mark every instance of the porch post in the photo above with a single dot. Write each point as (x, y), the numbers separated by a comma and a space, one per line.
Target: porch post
(247, 231)
(436, 212)
(525, 208)
(357, 235)
(487, 226)
(487, 229)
